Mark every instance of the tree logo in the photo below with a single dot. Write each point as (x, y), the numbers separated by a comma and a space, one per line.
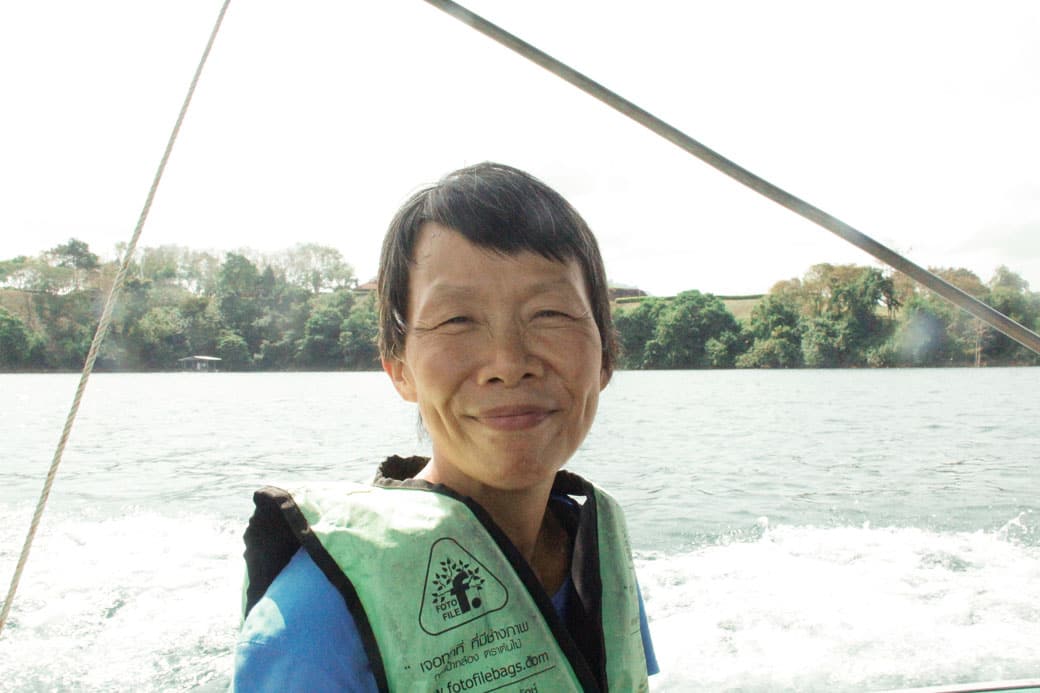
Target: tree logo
(458, 589)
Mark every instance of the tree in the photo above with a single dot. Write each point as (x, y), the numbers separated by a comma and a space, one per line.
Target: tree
(66, 322)
(279, 353)
(15, 341)
(776, 329)
(284, 310)
(160, 337)
(317, 268)
(358, 337)
(825, 343)
(11, 271)
(201, 323)
(238, 288)
(775, 352)
(320, 346)
(934, 332)
(1009, 293)
(198, 271)
(75, 255)
(635, 329)
(923, 337)
(233, 351)
(1003, 278)
(161, 265)
(37, 275)
(684, 330)
(840, 321)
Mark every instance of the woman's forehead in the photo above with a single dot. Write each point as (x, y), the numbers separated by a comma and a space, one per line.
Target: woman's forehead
(447, 290)
(444, 254)
(447, 266)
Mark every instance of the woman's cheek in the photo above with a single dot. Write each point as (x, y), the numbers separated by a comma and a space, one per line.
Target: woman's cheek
(569, 342)
(449, 355)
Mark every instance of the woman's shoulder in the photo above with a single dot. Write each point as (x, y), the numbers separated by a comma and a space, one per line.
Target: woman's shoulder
(300, 636)
(302, 596)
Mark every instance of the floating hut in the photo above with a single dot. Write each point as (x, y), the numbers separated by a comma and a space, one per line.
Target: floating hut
(199, 363)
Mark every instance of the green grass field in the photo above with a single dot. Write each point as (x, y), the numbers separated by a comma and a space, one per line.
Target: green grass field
(740, 306)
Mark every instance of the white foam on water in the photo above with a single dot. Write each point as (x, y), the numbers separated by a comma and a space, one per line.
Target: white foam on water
(140, 602)
(149, 601)
(844, 609)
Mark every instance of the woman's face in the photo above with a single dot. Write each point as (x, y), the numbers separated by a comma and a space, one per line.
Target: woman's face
(503, 357)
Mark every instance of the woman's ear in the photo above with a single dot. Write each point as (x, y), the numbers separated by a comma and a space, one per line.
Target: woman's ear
(401, 377)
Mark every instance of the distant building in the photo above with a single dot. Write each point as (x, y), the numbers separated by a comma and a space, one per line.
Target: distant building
(368, 287)
(199, 363)
(616, 292)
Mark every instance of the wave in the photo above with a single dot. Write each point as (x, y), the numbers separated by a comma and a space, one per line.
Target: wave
(846, 609)
(150, 601)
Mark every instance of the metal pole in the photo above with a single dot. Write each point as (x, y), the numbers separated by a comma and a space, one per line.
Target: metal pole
(951, 293)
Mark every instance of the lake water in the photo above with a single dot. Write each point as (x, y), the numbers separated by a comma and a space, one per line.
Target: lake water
(795, 530)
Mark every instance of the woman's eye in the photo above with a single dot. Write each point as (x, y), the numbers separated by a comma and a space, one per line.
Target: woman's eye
(550, 314)
(456, 320)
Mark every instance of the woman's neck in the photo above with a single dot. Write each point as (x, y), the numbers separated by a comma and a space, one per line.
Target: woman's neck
(525, 518)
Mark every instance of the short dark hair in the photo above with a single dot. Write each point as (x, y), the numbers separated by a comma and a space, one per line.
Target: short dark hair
(500, 208)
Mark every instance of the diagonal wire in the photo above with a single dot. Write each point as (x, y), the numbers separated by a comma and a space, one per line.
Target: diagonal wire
(102, 328)
(951, 293)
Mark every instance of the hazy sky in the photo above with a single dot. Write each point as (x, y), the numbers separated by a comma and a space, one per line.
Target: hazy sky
(916, 122)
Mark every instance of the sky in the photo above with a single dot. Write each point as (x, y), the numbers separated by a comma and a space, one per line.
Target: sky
(914, 121)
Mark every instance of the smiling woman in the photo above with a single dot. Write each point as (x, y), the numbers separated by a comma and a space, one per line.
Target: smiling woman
(495, 322)
(827, 98)
(503, 360)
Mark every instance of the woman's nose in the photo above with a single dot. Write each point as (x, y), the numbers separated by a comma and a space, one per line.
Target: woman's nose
(508, 359)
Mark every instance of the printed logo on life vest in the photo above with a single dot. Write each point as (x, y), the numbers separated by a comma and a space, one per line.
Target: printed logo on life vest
(459, 589)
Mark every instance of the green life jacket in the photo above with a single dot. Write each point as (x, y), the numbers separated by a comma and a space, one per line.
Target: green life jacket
(442, 599)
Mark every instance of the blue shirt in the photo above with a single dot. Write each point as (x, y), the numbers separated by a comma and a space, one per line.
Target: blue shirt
(301, 637)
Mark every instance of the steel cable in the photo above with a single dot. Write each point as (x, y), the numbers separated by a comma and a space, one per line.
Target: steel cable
(102, 328)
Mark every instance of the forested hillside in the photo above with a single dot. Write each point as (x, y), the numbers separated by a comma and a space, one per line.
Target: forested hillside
(834, 316)
(298, 309)
(303, 309)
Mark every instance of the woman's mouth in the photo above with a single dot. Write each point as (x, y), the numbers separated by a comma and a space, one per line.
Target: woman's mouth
(513, 418)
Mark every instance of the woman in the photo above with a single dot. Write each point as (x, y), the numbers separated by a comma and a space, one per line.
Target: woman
(484, 567)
